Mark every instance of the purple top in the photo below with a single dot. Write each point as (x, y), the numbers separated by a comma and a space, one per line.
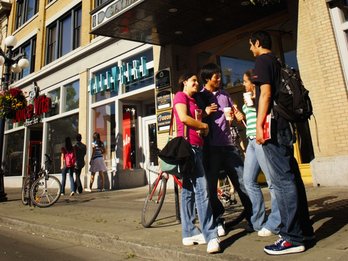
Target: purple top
(219, 129)
(191, 105)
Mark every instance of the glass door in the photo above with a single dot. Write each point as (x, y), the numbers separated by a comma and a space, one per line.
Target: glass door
(150, 150)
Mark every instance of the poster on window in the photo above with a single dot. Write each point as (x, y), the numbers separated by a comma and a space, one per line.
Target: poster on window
(127, 162)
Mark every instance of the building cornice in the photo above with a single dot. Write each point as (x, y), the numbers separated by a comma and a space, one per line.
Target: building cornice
(5, 8)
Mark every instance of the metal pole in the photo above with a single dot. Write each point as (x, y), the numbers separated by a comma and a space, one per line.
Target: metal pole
(5, 84)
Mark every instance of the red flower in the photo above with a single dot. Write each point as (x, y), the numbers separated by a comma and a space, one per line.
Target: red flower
(15, 92)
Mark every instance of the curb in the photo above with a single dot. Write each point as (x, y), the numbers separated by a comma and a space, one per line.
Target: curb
(112, 243)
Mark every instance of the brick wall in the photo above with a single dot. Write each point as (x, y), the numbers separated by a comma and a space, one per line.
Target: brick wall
(322, 74)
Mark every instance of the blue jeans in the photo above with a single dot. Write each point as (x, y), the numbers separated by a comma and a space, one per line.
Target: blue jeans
(254, 159)
(282, 172)
(195, 194)
(229, 159)
(71, 176)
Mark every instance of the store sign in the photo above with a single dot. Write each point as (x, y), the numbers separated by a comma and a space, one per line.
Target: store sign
(163, 79)
(164, 100)
(123, 74)
(163, 121)
(112, 10)
(31, 114)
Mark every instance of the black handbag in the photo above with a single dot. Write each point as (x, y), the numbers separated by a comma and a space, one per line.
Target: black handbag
(176, 154)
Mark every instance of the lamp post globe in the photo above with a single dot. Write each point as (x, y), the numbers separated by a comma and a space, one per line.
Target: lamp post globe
(10, 41)
(23, 63)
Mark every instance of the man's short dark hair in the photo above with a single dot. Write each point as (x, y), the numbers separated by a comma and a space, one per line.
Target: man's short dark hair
(78, 137)
(264, 39)
(208, 70)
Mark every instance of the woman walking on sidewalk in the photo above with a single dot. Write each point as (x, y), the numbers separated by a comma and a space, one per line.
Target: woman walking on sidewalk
(97, 161)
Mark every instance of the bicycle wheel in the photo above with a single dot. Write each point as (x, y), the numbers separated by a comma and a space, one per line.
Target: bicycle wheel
(45, 191)
(26, 191)
(234, 210)
(154, 201)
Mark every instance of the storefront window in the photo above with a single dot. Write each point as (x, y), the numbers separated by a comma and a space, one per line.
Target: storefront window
(55, 98)
(108, 93)
(72, 93)
(133, 73)
(104, 123)
(233, 70)
(129, 124)
(58, 130)
(142, 82)
(13, 161)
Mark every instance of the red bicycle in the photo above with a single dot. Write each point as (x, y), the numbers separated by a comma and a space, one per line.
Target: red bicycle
(157, 193)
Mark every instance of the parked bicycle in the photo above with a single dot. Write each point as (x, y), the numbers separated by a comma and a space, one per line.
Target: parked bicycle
(157, 192)
(40, 188)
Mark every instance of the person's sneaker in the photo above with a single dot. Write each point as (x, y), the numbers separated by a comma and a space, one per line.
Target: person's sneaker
(72, 193)
(88, 190)
(221, 230)
(282, 247)
(213, 246)
(264, 232)
(197, 239)
(62, 194)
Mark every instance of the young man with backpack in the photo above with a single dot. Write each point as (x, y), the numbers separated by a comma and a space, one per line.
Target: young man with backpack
(80, 150)
(283, 168)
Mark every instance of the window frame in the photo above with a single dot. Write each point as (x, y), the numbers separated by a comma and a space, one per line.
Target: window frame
(55, 52)
(22, 11)
(31, 57)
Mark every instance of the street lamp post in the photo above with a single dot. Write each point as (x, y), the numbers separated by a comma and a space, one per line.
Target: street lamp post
(16, 64)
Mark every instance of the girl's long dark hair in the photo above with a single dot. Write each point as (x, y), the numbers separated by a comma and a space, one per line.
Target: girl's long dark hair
(96, 138)
(68, 144)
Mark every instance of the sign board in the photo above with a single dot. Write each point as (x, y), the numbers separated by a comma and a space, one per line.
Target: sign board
(163, 121)
(164, 99)
(112, 10)
(162, 79)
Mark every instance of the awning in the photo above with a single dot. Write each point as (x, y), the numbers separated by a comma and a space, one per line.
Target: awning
(184, 22)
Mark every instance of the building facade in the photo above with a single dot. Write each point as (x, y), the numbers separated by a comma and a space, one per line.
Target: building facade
(98, 63)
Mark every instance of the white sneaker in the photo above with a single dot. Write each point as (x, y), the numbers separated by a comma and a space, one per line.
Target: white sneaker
(264, 232)
(221, 230)
(88, 190)
(197, 239)
(213, 246)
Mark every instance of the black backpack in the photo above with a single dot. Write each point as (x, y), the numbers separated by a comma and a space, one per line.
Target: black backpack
(292, 101)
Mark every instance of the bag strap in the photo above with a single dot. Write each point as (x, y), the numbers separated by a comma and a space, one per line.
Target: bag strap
(171, 126)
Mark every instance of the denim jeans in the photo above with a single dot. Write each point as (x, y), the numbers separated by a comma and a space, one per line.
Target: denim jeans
(254, 159)
(282, 170)
(195, 195)
(229, 159)
(71, 176)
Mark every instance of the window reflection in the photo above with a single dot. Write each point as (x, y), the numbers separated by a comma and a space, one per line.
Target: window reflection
(13, 160)
(58, 130)
(55, 98)
(103, 118)
(72, 94)
(233, 70)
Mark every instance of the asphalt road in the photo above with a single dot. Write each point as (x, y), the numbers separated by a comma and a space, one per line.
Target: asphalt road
(16, 245)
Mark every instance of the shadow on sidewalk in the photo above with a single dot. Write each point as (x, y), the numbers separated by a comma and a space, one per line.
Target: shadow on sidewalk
(332, 212)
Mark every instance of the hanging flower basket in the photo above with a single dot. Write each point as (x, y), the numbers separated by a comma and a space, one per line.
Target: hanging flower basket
(11, 101)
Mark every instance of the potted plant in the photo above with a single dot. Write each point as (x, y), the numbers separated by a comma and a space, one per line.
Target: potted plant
(11, 101)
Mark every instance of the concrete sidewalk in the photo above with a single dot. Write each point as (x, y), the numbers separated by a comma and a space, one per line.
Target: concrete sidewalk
(111, 221)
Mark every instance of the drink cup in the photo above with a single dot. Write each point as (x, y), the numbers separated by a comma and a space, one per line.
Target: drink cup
(227, 112)
(198, 117)
(198, 114)
(247, 97)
